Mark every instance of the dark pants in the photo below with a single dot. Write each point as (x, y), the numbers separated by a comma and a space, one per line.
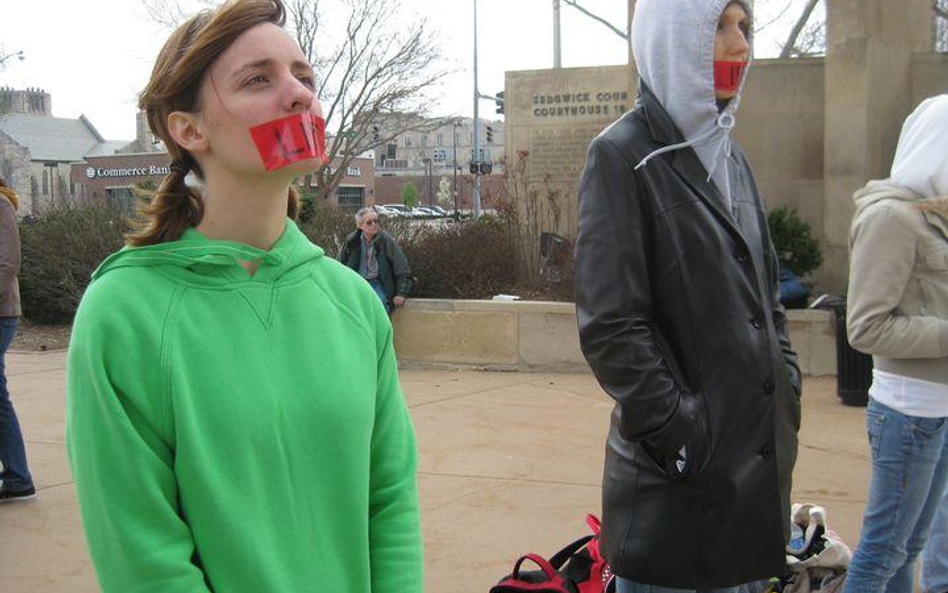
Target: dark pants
(15, 475)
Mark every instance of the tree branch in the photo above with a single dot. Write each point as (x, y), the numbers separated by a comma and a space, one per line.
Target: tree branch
(791, 44)
(614, 29)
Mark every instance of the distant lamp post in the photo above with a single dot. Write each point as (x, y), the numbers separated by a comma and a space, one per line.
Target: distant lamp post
(457, 125)
(427, 163)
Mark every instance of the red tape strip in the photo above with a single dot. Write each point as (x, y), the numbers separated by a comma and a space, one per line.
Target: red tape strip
(727, 75)
(284, 141)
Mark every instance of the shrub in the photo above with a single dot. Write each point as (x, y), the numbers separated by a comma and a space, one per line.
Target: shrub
(796, 248)
(60, 251)
(470, 260)
(410, 195)
(327, 227)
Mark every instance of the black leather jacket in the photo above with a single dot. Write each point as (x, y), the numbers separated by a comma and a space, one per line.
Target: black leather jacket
(680, 319)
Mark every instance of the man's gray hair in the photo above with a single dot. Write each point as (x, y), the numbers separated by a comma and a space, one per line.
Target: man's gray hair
(360, 214)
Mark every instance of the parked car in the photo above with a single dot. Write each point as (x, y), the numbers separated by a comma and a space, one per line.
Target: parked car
(424, 212)
(438, 210)
(397, 210)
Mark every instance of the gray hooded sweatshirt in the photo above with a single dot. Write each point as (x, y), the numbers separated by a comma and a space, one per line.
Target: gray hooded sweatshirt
(673, 46)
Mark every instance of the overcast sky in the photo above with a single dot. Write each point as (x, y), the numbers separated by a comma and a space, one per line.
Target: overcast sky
(94, 56)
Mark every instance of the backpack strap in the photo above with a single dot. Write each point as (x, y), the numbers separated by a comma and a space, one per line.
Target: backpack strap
(594, 523)
(560, 558)
(540, 561)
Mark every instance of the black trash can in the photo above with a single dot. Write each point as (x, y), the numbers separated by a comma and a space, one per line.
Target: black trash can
(853, 368)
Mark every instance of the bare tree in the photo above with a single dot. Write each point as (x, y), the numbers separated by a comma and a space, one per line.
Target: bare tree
(373, 78)
(810, 37)
(373, 81)
(940, 26)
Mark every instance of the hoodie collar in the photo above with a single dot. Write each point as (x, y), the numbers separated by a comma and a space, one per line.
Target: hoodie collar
(217, 261)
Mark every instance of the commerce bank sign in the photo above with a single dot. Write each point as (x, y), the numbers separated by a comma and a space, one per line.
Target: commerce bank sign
(118, 172)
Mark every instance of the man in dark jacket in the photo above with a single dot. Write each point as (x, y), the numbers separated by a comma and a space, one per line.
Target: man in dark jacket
(376, 256)
(678, 306)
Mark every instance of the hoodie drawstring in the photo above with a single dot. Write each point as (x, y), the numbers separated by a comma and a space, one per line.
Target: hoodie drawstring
(725, 121)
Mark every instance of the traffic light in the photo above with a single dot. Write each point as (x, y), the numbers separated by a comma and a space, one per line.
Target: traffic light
(499, 100)
(475, 168)
(375, 133)
(486, 167)
(490, 134)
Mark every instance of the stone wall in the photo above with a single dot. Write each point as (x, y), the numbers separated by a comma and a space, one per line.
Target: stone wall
(15, 170)
(542, 336)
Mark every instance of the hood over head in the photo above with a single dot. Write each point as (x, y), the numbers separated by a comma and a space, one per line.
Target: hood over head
(673, 46)
(921, 159)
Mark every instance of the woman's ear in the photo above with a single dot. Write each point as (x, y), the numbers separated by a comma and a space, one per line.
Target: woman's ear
(186, 131)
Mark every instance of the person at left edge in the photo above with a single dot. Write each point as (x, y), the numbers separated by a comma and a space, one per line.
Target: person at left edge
(235, 421)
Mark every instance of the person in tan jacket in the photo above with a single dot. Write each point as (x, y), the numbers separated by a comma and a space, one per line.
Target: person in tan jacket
(15, 480)
(898, 313)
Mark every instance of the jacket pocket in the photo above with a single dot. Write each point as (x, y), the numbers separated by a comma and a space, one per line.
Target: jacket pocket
(684, 449)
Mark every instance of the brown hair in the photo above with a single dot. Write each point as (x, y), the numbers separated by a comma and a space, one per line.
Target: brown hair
(174, 86)
(939, 205)
(10, 194)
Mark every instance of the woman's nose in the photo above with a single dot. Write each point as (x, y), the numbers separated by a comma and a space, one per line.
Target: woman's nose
(738, 46)
(298, 97)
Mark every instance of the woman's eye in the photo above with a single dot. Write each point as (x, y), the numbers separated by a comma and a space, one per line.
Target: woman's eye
(255, 80)
(308, 81)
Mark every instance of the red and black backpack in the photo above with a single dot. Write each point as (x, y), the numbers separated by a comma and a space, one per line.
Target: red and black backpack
(577, 568)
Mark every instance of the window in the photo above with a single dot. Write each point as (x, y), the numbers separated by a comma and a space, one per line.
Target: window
(407, 140)
(120, 197)
(353, 171)
(391, 150)
(45, 182)
(440, 139)
(440, 155)
(350, 198)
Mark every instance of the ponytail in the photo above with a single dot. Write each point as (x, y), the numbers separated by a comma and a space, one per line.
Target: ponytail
(170, 211)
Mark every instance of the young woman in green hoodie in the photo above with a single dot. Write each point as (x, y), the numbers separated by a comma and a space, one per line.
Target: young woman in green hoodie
(235, 421)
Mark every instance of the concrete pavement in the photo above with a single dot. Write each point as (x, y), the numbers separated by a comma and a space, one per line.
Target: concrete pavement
(509, 463)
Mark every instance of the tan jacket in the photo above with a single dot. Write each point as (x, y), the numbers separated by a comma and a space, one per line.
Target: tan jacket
(9, 260)
(898, 282)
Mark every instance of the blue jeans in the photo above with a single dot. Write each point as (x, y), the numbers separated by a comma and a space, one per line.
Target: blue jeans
(380, 291)
(15, 474)
(909, 469)
(627, 586)
(935, 556)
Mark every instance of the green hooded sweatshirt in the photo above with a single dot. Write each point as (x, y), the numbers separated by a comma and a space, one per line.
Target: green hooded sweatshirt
(239, 433)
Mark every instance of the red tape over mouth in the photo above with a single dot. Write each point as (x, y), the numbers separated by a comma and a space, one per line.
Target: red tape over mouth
(727, 75)
(287, 140)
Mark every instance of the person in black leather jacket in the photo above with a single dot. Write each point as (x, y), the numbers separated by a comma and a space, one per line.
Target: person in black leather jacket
(679, 316)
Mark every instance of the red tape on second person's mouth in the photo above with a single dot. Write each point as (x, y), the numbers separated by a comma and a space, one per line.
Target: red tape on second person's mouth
(287, 140)
(727, 75)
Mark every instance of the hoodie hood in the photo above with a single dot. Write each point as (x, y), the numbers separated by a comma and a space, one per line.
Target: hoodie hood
(883, 189)
(197, 259)
(673, 46)
(921, 159)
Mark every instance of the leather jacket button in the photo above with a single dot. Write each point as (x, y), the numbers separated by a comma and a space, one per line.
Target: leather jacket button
(767, 451)
(740, 256)
(755, 323)
(769, 386)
